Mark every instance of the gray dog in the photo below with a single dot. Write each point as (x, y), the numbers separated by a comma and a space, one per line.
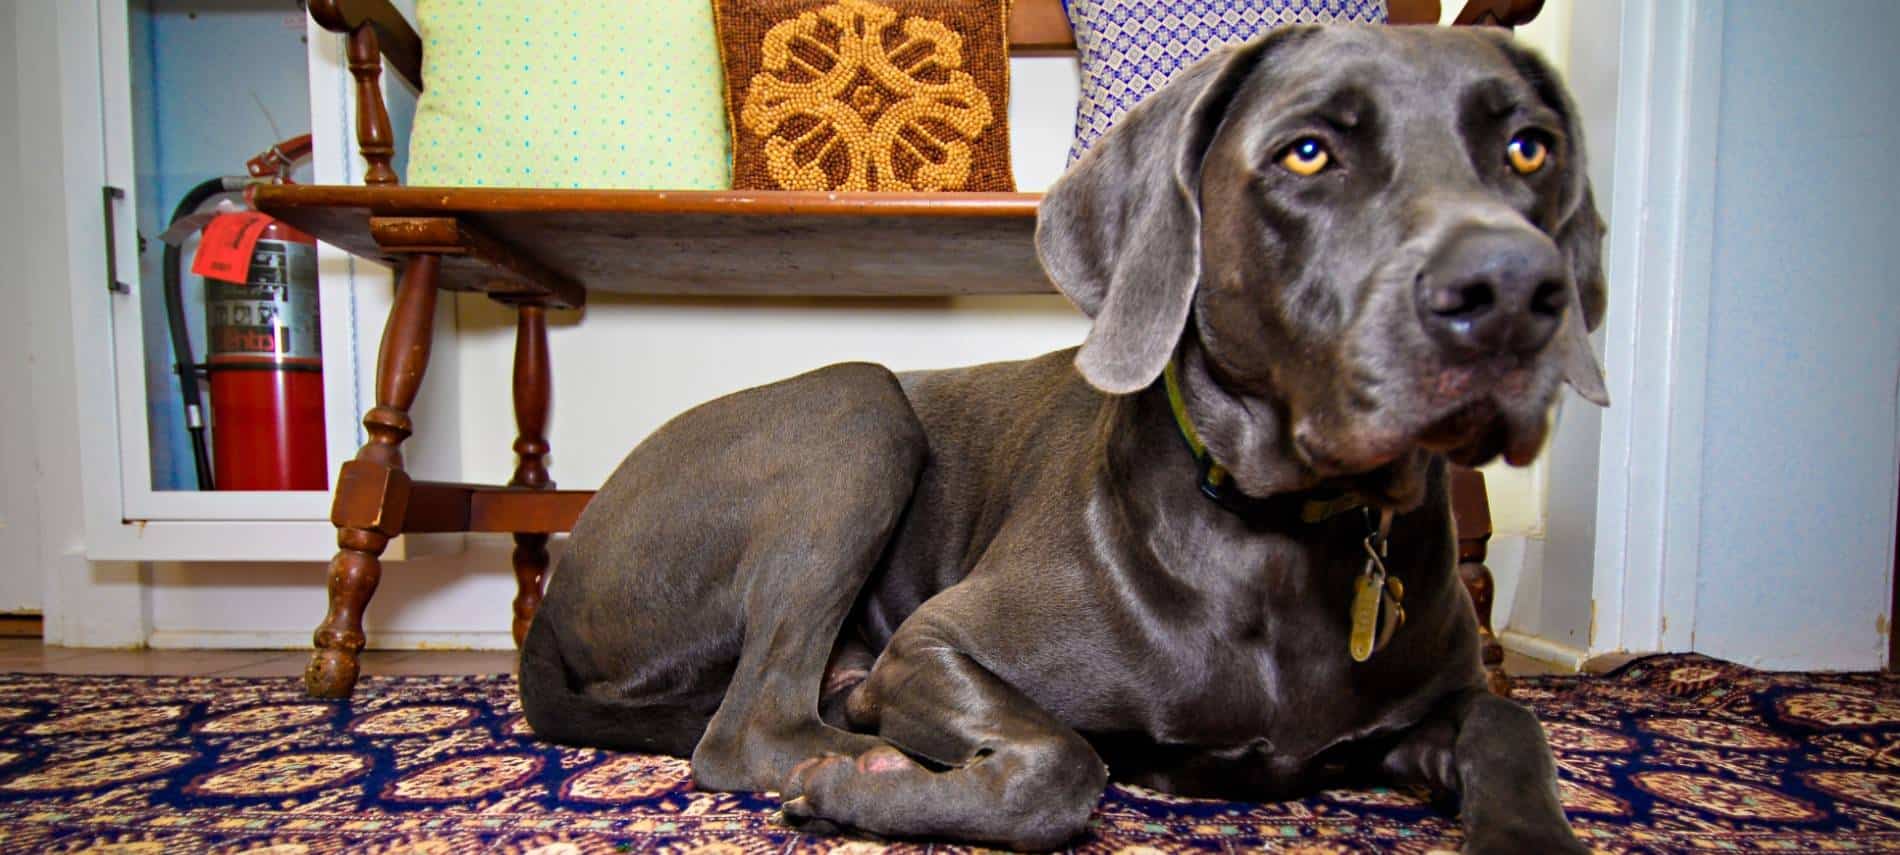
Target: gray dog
(1209, 552)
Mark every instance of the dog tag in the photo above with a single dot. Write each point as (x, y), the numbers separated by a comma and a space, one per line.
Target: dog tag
(1372, 590)
(1367, 591)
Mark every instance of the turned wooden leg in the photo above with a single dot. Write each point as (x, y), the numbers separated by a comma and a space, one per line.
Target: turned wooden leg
(373, 135)
(531, 569)
(1477, 579)
(372, 491)
(532, 389)
(1472, 510)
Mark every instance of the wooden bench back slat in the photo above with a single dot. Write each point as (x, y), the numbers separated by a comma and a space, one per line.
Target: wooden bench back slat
(1036, 27)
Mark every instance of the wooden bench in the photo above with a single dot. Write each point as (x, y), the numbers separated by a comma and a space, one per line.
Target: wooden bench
(540, 249)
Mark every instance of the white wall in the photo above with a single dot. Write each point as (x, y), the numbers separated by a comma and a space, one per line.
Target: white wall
(1799, 457)
(19, 515)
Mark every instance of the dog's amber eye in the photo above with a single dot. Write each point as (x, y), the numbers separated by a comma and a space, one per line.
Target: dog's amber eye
(1528, 152)
(1306, 157)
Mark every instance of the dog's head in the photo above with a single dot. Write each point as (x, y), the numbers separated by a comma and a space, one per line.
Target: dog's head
(1383, 237)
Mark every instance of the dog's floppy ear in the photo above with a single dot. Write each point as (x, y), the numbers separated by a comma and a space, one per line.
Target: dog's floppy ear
(1120, 233)
(1579, 234)
(1580, 239)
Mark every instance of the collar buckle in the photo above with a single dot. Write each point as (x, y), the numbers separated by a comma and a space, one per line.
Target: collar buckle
(1215, 484)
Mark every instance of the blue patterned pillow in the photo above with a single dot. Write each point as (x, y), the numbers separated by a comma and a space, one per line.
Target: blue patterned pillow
(1129, 48)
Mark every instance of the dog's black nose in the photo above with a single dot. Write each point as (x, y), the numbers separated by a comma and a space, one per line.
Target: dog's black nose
(1492, 291)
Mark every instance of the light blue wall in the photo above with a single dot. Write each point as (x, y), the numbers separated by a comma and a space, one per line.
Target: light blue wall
(1804, 337)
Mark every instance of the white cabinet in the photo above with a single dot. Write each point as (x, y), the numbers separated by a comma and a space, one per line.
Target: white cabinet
(189, 90)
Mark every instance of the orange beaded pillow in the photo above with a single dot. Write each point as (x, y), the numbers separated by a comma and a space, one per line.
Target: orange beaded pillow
(897, 95)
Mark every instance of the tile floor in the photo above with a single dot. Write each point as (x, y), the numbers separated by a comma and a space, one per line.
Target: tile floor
(29, 656)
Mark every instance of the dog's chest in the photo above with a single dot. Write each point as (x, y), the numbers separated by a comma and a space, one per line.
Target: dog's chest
(1265, 688)
(1264, 663)
(1253, 717)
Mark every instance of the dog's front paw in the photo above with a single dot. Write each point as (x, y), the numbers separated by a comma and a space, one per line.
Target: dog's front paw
(798, 814)
(796, 808)
(824, 794)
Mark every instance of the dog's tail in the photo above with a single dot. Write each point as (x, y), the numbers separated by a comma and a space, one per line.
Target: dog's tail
(558, 713)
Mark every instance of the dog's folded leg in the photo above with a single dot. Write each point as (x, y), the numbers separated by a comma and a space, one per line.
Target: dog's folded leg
(1490, 753)
(830, 484)
(1017, 777)
(769, 719)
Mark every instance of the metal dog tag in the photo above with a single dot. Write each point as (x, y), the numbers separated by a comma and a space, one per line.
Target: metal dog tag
(1367, 591)
(1374, 588)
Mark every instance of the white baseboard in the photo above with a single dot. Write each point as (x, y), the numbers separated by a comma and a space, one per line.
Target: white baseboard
(101, 604)
(1544, 650)
(299, 639)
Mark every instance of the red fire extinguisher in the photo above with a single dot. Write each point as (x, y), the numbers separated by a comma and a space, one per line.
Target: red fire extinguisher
(265, 362)
(264, 356)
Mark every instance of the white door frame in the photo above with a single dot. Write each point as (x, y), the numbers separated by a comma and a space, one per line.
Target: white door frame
(1648, 530)
(86, 603)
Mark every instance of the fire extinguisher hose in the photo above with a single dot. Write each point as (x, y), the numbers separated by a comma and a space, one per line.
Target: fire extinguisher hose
(181, 334)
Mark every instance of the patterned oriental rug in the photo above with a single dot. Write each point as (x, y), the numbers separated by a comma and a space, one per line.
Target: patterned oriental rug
(1668, 754)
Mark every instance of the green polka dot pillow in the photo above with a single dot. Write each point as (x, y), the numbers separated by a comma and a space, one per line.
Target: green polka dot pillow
(570, 93)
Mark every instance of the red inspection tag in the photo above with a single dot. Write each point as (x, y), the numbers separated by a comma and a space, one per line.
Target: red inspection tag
(225, 251)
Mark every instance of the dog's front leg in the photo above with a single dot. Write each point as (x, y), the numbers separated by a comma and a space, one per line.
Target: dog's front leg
(1011, 774)
(1491, 754)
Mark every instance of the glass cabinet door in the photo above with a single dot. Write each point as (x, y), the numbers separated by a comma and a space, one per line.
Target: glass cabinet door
(221, 379)
(191, 92)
